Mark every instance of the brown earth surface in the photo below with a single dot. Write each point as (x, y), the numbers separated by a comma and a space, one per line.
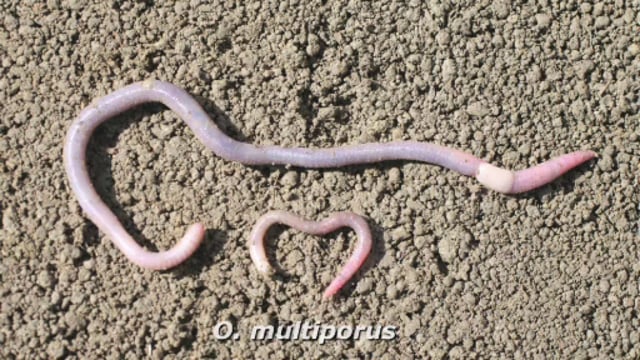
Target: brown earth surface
(461, 271)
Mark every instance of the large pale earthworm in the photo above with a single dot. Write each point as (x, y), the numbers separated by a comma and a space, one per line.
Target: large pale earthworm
(332, 223)
(191, 112)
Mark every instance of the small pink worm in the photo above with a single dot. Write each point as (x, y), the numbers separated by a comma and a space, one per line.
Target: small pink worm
(332, 223)
(207, 132)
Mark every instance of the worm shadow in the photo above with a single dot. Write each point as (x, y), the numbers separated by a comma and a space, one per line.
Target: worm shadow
(273, 238)
(220, 118)
(352, 170)
(211, 247)
(99, 166)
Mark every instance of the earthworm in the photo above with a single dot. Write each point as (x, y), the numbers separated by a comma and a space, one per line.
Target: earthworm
(332, 223)
(207, 132)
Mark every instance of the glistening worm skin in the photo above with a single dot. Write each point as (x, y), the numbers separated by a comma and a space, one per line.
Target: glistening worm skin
(191, 112)
(332, 223)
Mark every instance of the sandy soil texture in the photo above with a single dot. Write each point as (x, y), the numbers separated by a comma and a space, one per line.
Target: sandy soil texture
(462, 272)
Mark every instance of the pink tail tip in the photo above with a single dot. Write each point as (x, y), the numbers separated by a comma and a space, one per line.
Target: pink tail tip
(334, 287)
(548, 171)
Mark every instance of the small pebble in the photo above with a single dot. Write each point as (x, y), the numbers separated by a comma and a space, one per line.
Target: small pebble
(449, 69)
(469, 299)
(399, 234)
(395, 176)
(327, 113)
(477, 109)
(44, 279)
(524, 149)
(56, 350)
(447, 250)
(443, 38)
(365, 285)
(55, 298)
(543, 20)
(501, 8)
(290, 179)
(76, 253)
(411, 327)
(602, 22)
(392, 292)
(313, 45)
(605, 163)
(340, 68)
(556, 122)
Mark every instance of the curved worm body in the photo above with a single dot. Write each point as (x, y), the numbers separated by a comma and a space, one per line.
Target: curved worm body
(330, 224)
(208, 133)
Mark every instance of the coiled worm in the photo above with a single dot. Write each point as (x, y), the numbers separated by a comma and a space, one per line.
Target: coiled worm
(332, 223)
(207, 132)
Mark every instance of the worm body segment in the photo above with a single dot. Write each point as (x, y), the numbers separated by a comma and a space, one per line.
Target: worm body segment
(330, 224)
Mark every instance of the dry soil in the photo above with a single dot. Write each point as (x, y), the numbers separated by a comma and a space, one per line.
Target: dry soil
(462, 272)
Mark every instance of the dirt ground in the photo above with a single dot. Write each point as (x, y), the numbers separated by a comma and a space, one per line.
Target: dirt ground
(461, 272)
